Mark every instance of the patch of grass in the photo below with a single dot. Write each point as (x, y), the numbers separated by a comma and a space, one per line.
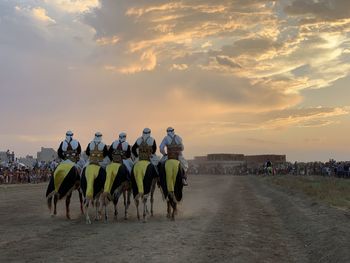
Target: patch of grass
(333, 191)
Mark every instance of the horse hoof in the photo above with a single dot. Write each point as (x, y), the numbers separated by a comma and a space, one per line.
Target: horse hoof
(68, 217)
(125, 217)
(53, 215)
(88, 222)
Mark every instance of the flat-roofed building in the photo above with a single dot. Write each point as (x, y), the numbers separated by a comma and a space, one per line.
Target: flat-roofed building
(46, 155)
(227, 163)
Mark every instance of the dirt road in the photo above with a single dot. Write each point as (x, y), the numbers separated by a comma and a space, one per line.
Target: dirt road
(222, 219)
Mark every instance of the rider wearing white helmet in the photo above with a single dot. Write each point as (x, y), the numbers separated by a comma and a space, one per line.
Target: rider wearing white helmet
(173, 143)
(69, 149)
(145, 146)
(96, 149)
(120, 151)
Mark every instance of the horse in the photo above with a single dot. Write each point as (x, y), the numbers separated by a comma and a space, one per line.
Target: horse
(92, 183)
(170, 177)
(117, 183)
(63, 182)
(143, 187)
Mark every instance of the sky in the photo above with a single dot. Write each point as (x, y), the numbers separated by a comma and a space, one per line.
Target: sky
(231, 76)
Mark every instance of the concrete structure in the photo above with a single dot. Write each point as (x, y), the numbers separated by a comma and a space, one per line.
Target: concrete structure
(227, 163)
(7, 156)
(46, 155)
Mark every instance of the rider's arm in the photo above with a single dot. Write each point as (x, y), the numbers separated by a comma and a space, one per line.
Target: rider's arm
(87, 151)
(162, 147)
(105, 151)
(154, 147)
(60, 151)
(79, 149)
(179, 139)
(134, 148)
(110, 151)
(128, 152)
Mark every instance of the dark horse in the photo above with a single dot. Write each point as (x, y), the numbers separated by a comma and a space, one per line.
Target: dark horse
(173, 195)
(148, 183)
(117, 183)
(62, 183)
(92, 182)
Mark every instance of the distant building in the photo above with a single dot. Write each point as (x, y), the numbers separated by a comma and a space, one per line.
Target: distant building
(46, 155)
(227, 163)
(225, 157)
(7, 157)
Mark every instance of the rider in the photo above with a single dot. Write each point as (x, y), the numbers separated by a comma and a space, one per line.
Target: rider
(96, 150)
(120, 151)
(65, 175)
(268, 166)
(69, 149)
(144, 149)
(146, 146)
(174, 145)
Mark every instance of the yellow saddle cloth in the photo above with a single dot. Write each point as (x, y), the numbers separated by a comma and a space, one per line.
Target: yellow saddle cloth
(91, 174)
(171, 170)
(112, 171)
(139, 172)
(60, 173)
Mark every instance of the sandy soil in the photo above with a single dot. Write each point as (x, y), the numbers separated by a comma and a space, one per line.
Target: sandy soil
(221, 219)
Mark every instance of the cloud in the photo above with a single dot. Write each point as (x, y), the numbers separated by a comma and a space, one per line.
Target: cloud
(105, 41)
(75, 6)
(40, 14)
(179, 67)
(37, 13)
(324, 10)
(147, 62)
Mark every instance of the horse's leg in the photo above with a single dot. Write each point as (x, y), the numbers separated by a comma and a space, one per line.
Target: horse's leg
(86, 206)
(106, 213)
(55, 200)
(172, 205)
(168, 209)
(126, 205)
(174, 211)
(115, 204)
(144, 200)
(137, 201)
(49, 203)
(81, 201)
(68, 197)
(104, 203)
(153, 187)
(98, 213)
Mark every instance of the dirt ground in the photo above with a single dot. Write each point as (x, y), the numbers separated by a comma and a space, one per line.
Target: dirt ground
(221, 219)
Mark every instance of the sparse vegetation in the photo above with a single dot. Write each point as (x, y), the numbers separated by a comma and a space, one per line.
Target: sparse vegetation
(333, 191)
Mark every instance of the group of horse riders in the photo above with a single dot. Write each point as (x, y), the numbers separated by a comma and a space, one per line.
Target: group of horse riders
(119, 169)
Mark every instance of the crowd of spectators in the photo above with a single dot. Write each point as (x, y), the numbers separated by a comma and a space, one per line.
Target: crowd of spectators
(330, 168)
(16, 173)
